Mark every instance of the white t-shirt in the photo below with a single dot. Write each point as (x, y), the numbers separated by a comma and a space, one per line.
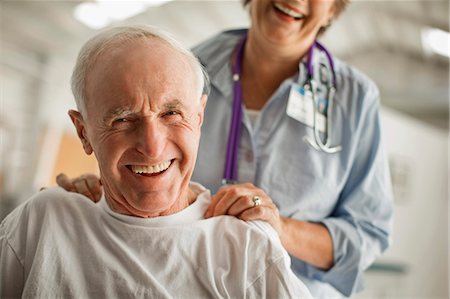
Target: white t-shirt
(60, 244)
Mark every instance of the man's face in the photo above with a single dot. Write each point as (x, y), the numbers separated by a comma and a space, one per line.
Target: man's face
(143, 124)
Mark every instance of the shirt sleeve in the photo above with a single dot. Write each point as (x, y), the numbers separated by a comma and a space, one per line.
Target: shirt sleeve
(11, 269)
(278, 281)
(361, 222)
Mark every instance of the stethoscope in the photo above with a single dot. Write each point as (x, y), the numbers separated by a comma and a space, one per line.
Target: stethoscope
(230, 172)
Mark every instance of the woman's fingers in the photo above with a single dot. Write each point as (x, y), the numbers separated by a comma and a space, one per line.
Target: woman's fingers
(241, 205)
(232, 202)
(94, 185)
(222, 201)
(64, 182)
(246, 202)
(81, 186)
(268, 212)
(88, 184)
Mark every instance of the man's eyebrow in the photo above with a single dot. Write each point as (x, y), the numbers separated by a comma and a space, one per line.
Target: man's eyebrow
(124, 111)
(115, 112)
(174, 104)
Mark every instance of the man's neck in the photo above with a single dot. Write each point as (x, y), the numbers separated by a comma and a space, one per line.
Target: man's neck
(185, 199)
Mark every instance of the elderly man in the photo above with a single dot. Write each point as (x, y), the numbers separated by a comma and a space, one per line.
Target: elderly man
(140, 109)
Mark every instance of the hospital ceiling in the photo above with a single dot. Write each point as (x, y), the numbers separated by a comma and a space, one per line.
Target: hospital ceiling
(382, 38)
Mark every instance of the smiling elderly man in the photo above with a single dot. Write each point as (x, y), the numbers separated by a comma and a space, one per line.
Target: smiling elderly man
(140, 102)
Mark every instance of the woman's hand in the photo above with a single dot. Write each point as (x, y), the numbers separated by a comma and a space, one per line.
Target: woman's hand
(241, 200)
(310, 242)
(87, 184)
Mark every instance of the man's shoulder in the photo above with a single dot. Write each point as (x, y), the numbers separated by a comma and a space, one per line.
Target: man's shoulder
(264, 233)
(255, 236)
(41, 217)
(264, 228)
(43, 205)
(246, 245)
(55, 198)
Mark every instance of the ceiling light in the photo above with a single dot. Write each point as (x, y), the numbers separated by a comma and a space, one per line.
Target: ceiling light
(436, 41)
(101, 13)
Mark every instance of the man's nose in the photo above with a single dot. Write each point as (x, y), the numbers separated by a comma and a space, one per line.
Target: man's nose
(151, 138)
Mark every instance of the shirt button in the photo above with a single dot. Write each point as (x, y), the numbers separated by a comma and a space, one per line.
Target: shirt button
(249, 156)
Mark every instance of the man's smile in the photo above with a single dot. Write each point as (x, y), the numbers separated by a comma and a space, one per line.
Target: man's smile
(151, 170)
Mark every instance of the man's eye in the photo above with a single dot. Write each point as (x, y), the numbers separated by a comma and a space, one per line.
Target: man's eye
(172, 113)
(122, 120)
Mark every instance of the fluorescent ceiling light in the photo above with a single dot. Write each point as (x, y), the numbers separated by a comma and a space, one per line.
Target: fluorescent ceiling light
(436, 41)
(101, 13)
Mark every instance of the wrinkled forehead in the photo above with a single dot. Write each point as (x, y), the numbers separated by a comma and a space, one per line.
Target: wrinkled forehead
(146, 62)
(145, 55)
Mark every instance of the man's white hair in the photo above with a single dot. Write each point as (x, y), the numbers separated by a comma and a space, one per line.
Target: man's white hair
(116, 36)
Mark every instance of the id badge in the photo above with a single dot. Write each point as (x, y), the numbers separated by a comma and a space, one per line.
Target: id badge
(301, 107)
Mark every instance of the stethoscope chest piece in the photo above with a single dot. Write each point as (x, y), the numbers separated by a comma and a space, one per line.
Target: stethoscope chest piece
(322, 107)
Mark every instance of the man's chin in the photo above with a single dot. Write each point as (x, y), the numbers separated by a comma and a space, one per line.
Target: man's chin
(153, 204)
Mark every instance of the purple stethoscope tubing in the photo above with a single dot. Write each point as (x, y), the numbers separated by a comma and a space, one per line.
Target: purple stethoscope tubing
(310, 70)
(230, 173)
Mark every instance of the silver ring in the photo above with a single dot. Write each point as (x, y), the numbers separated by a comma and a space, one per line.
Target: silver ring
(256, 201)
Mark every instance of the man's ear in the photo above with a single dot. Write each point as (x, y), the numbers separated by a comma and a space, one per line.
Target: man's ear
(80, 126)
(201, 113)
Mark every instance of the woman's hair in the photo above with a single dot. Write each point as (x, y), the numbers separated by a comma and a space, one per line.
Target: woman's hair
(340, 5)
(114, 37)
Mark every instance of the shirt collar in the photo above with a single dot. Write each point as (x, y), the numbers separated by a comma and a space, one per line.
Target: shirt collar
(192, 213)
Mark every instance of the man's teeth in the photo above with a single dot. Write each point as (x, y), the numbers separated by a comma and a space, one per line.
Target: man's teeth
(150, 169)
(288, 11)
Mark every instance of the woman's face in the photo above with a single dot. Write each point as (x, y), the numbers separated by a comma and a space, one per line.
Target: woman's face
(290, 22)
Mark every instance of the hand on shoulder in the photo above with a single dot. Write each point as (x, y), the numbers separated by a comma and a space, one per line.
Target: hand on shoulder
(87, 184)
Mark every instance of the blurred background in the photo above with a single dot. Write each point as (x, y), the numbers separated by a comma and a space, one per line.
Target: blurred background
(402, 45)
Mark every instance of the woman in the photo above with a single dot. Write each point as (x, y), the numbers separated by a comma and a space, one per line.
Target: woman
(332, 211)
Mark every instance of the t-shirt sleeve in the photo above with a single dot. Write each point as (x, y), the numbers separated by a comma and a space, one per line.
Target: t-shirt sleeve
(278, 281)
(15, 231)
(11, 269)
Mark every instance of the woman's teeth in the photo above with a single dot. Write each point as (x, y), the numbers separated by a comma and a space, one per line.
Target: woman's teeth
(288, 11)
(140, 169)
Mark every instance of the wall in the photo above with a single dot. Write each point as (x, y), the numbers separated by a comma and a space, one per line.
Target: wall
(417, 263)
(71, 159)
(35, 97)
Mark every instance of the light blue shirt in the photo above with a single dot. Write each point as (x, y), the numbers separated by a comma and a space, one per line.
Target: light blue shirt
(349, 192)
